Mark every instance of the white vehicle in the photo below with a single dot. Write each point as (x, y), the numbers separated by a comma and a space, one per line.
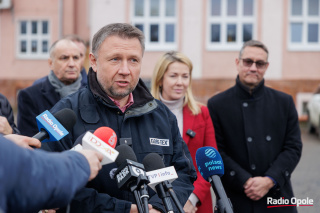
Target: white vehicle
(313, 110)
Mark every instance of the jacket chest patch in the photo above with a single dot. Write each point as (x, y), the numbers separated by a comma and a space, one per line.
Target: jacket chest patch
(159, 142)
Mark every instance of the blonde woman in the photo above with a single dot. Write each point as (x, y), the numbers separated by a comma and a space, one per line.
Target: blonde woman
(171, 83)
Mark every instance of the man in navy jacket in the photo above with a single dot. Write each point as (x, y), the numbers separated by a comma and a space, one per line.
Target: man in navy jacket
(117, 98)
(32, 180)
(63, 79)
(258, 136)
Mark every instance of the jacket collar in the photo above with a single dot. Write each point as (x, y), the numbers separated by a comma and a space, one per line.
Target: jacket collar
(246, 92)
(141, 94)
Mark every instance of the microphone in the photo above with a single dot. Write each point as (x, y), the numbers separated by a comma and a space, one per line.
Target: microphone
(160, 180)
(91, 141)
(107, 135)
(131, 176)
(211, 168)
(54, 128)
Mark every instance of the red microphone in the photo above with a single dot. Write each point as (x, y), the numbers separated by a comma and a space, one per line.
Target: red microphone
(107, 135)
(103, 140)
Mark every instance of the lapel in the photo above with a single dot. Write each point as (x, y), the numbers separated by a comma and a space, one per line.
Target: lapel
(49, 93)
(188, 120)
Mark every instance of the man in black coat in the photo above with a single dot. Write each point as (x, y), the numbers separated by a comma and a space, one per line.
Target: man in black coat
(63, 80)
(258, 136)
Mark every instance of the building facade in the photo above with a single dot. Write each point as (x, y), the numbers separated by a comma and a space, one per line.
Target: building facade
(210, 32)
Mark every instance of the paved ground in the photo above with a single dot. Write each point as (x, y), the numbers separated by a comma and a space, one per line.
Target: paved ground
(306, 177)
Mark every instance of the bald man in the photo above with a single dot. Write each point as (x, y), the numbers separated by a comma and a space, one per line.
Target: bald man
(63, 80)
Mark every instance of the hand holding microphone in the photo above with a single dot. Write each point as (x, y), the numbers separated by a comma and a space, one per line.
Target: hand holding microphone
(94, 158)
(24, 141)
(211, 168)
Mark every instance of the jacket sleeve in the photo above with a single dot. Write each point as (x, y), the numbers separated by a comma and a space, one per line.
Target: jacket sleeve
(289, 157)
(201, 186)
(6, 111)
(29, 181)
(26, 119)
(182, 161)
(230, 166)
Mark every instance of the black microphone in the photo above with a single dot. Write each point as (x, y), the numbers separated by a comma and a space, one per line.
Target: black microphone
(131, 176)
(151, 162)
(54, 128)
(211, 168)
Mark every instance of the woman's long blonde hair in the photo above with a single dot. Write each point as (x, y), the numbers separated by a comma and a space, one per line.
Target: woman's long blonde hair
(159, 71)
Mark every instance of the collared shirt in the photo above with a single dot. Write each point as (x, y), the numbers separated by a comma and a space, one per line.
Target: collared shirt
(128, 104)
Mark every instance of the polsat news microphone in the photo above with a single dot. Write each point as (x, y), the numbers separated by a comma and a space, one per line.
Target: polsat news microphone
(211, 168)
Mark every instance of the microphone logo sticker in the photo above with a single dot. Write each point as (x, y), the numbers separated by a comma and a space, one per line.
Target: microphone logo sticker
(210, 153)
(112, 139)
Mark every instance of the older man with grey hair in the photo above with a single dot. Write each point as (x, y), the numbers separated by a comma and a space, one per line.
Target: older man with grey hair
(63, 80)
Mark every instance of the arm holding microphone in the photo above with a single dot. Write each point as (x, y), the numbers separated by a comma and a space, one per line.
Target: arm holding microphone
(24, 141)
(37, 190)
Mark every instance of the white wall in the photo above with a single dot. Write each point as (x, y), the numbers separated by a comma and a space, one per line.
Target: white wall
(191, 34)
(272, 28)
(106, 12)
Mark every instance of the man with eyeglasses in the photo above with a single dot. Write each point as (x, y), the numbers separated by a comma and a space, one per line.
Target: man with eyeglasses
(258, 136)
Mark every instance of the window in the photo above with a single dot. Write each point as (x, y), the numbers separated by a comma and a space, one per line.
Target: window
(304, 22)
(33, 39)
(157, 19)
(230, 23)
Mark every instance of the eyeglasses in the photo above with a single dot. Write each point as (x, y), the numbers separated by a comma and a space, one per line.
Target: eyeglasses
(259, 64)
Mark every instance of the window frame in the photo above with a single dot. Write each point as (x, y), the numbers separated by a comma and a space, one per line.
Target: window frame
(29, 37)
(239, 20)
(303, 19)
(146, 21)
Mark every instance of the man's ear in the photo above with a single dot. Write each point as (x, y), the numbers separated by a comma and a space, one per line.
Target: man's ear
(237, 61)
(93, 62)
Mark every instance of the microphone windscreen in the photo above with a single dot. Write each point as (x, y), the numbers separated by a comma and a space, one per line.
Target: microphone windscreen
(67, 118)
(209, 162)
(153, 161)
(125, 153)
(107, 135)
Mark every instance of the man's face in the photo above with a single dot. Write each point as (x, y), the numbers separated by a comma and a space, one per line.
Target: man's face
(251, 74)
(65, 62)
(118, 66)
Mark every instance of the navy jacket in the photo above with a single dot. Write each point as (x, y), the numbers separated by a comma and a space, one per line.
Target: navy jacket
(32, 101)
(257, 135)
(32, 180)
(145, 120)
(6, 111)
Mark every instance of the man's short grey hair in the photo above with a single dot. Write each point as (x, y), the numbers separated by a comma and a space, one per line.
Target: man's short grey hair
(254, 43)
(53, 46)
(122, 30)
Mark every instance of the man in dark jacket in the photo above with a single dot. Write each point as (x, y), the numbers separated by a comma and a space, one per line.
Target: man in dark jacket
(7, 125)
(117, 98)
(258, 136)
(64, 79)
